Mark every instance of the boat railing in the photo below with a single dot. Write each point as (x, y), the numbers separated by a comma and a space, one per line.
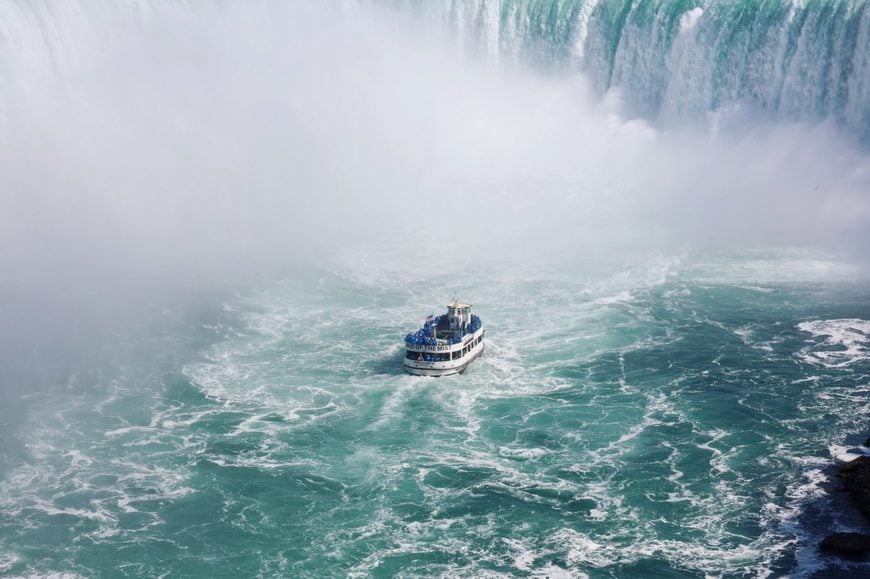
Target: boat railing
(428, 334)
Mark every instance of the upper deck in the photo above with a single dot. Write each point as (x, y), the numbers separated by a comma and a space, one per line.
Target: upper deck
(447, 332)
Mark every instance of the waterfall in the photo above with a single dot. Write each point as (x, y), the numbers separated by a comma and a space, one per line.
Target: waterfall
(676, 60)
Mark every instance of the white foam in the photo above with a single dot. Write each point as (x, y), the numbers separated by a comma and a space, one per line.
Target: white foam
(807, 379)
(99, 515)
(523, 556)
(844, 453)
(619, 298)
(582, 549)
(846, 342)
(78, 459)
(759, 289)
(747, 334)
(127, 430)
(7, 561)
(259, 462)
(550, 571)
(523, 453)
(811, 488)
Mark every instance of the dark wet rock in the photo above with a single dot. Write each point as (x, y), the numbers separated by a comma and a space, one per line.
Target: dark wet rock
(847, 543)
(856, 480)
(867, 442)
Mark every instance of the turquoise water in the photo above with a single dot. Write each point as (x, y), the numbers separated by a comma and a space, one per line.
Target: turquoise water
(171, 406)
(675, 415)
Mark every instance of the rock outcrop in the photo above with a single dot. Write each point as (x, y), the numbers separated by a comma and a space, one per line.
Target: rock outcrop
(855, 476)
(847, 543)
(856, 480)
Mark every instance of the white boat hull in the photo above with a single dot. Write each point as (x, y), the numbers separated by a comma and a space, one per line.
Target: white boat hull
(447, 367)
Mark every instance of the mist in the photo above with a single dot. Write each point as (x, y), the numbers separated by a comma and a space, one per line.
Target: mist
(157, 155)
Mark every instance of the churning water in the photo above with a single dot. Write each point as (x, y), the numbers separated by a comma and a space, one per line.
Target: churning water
(658, 209)
(675, 416)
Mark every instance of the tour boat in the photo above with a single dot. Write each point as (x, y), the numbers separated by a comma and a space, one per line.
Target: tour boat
(446, 344)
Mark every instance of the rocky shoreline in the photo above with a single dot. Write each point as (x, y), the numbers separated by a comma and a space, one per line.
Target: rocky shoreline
(855, 477)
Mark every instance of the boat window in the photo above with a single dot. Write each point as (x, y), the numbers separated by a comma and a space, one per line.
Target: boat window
(427, 356)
